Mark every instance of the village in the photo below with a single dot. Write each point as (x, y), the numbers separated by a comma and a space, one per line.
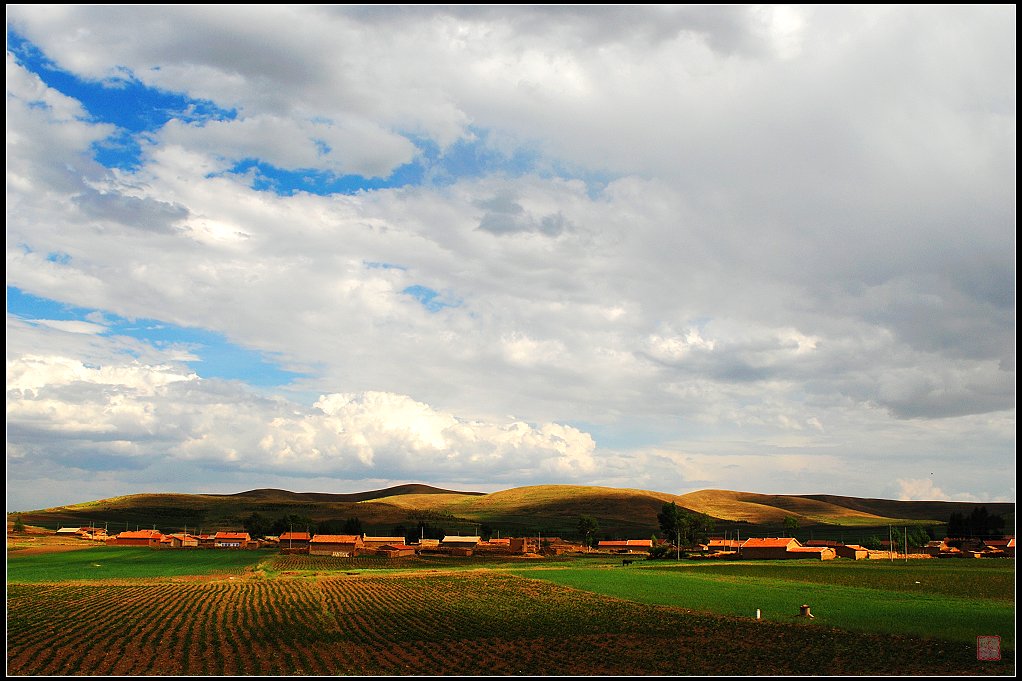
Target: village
(352, 545)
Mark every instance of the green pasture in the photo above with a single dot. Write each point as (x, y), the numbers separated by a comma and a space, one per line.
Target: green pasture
(125, 562)
(950, 601)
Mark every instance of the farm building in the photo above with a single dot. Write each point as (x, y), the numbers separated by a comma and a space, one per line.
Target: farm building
(460, 542)
(206, 540)
(380, 542)
(853, 551)
(137, 538)
(395, 550)
(93, 533)
(768, 548)
(494, 546)
(459, 546)
(294, 542)
(626, 545)
(818, 552)
(231, 540)
(718, 545)
(824, 542)
(68, 531)
(183, 541)
(1006, 545)
(520, 545)
(558, 546)
(336, 545)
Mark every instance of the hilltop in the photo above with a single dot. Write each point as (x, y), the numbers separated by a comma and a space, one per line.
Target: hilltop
(548, 509)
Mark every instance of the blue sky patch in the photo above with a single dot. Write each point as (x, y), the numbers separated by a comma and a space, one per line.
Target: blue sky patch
(284, 182)
(217, 357)
(125, 101)
(136, 109)
(430, 299)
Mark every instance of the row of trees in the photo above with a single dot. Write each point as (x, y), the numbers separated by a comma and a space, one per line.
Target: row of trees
(259, 525)
(980, 523)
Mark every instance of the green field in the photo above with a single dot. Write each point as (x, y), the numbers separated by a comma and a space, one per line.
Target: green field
(952, 600)
(126, 562)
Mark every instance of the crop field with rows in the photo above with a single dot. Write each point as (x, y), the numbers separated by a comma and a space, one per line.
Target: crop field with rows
(425, 622)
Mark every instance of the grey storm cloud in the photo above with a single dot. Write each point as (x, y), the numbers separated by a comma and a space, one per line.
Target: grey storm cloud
(139, 213)
(504, 215)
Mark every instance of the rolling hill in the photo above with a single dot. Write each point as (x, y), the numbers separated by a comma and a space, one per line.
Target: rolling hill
(547, 509)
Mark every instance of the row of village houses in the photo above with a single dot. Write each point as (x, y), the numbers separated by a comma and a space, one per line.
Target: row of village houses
(786, 547)
(769, 548)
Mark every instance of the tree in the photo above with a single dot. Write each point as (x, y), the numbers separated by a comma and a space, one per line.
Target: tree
(19, 524)
(873, 542)
(292, 522)
(340, 526)
(979, 523)
(588, 526)
(917, 537)
(791, 524)
(674, 523)
(257, 525)
(683, 526)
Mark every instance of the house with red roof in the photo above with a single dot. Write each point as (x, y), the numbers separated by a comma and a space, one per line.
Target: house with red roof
(395, 550)
(1007, 545)
(719, 545)
(336, 545)
(294, 542)
(183, 541)
(768, 548)
(626, 545)
(817, 552)
(231, 540)
(373, 543)
(137, 538)
(853, 551)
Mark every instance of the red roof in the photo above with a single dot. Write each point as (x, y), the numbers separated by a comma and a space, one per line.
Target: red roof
(808, 549)
(141, 534)
(295, 536)
(769, 542)
(232, 535)
(336, 539)
(628, 543)
(398, 547)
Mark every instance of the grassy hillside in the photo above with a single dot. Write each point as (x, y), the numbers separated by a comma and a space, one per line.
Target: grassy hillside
(546, 509)
(916, 510)
(764, 509)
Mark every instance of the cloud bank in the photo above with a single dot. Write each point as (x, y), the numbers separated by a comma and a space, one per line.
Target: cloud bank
(768, 249)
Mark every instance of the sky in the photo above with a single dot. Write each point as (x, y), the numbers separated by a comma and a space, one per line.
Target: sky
(336, 248)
